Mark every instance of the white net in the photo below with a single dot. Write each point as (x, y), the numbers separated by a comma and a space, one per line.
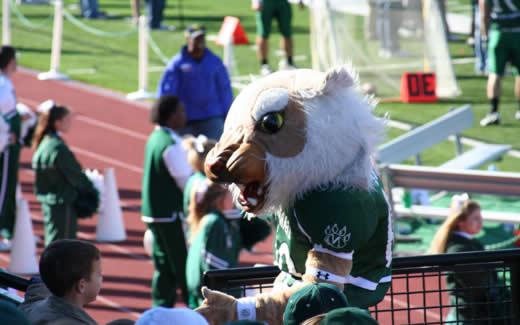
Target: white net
(383, 39)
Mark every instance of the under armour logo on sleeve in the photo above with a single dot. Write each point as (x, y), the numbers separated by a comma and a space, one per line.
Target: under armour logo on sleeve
(322, 275)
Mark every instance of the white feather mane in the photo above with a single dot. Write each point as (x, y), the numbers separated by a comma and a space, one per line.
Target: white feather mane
(342, 135)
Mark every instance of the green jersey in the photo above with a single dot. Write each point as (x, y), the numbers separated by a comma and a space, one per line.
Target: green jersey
(216, 246)
(505, 15)
(351, 224)
(160, 196)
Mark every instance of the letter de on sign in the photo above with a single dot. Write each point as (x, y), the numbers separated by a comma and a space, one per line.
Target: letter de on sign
(418, 87)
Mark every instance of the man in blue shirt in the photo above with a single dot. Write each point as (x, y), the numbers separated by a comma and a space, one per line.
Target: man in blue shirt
(199, 78)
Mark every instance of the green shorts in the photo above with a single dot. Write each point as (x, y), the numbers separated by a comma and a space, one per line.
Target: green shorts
(278, 9)
(503, 47)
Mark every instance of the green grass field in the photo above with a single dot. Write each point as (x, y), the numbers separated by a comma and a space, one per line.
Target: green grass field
(112, 62)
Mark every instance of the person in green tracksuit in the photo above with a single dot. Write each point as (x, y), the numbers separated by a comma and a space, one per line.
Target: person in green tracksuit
(477, 296)
(500, 30)
(10, 156)
(215, 240)
(58, 174)
(166, 171)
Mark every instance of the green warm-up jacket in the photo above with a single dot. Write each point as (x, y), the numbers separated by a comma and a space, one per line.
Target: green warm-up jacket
(58, 174)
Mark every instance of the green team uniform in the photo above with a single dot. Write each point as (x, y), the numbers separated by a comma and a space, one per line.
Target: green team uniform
(188, 188)
(504, 35)
(9, 164)
(58, 179)
(162, 212)
(216, 246)
(351, 224)
(278, 9)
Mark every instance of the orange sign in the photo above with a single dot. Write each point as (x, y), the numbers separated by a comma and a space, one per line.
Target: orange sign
(231, 29)
(418, 87)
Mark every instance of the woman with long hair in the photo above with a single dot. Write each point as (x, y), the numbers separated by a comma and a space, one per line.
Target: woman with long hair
(59, 176)
(214, 236)
(464, 222)
(196, 149)
(474, 293)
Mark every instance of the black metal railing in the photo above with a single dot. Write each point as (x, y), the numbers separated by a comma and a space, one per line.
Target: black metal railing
(9, 280)
(460, 288)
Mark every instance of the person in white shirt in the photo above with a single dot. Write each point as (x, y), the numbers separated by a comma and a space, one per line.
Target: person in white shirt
(10, 155)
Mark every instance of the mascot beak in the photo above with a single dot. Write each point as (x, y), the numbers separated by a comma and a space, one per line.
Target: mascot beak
(215, 165)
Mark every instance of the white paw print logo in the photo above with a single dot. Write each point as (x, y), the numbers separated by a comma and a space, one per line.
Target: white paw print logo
(336, 237)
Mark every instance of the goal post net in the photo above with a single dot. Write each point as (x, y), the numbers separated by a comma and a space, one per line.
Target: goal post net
(382, 39)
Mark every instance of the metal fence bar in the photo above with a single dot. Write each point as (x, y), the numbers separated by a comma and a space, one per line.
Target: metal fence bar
(455, 180)
(414, 300)
(9, 280)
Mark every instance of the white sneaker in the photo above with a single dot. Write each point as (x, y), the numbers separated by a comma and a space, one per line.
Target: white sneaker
(265, 70)
(517, 115)
(490, 119)
(5, 245)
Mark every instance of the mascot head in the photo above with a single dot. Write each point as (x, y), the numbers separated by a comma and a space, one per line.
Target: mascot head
(294, 131)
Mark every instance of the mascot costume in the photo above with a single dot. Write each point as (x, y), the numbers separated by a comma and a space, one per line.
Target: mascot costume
(298, 145)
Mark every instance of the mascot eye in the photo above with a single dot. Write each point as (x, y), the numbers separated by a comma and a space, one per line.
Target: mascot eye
(272, 122)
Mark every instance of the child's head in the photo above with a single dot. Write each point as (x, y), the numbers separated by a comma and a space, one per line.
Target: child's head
(168, 111)
(53, 118)
(72, 268)
(206, 197)
(197, 149)
(466, 217)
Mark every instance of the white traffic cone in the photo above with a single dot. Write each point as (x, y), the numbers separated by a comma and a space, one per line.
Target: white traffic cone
(110, 225)
(23, 249)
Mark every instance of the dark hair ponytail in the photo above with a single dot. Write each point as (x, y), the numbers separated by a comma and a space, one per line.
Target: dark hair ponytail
(47, 123)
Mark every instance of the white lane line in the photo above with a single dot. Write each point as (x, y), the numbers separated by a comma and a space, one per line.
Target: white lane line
(91, 89)
(108, 160)
(110, 127)
(116, 248)
(95, 122)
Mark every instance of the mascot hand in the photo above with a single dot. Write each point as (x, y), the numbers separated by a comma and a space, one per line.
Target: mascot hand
(218, 307)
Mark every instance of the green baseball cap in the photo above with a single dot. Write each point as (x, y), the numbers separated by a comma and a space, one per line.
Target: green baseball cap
(348, 315)
(313, 300)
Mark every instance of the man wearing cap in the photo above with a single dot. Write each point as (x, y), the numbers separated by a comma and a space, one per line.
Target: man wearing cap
(199, 78)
